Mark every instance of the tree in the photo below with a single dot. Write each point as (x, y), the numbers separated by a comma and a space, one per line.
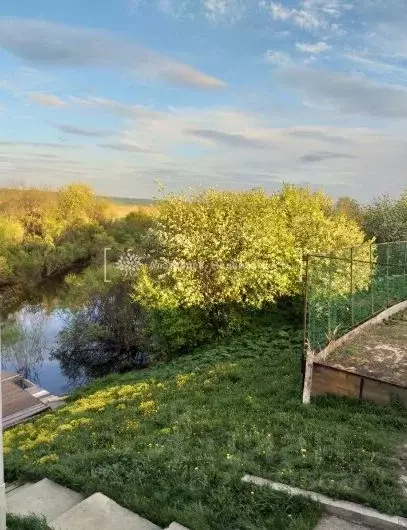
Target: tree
(315, 225)
(385, 219)
(25, 343)
(104, 336)
(350, 208)
(210, 257)
(77, 204)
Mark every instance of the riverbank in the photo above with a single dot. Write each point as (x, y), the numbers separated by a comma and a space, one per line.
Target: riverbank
(172, 442)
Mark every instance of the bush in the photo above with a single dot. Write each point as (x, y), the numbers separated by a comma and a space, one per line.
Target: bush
(104, 336)
(211, 257)
(15, 522)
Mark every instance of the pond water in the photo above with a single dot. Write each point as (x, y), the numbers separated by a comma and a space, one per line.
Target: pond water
(31, 355)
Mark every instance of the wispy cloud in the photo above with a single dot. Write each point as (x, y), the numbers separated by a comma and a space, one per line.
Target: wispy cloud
(51, 145)
(127, 110)
(315, 134)
(320, 156)
(374, 64)
(46, 100)
(300, 17)
(354, 95)
(52, 44)
(310, 15)
(175, 8)
(318, 47)
(121, 146)
(80, 131)
(218, 10)
(230, 140)
(278, 58)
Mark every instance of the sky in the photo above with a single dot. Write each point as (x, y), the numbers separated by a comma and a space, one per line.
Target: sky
(130, 95)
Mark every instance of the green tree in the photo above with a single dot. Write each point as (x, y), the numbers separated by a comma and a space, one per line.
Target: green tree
(213, 256)
(385, 219)
(350, 208)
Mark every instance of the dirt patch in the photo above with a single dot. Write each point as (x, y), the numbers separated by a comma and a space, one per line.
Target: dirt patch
(380, 352)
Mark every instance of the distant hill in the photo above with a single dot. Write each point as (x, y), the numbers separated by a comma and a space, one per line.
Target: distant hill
(130, 201)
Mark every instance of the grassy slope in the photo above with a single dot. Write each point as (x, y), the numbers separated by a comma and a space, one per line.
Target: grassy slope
(172, 442)
(26, 523)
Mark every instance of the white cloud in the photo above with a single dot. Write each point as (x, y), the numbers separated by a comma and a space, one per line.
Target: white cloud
(46, 100)
(80, 131)
(217, 10)
(278, 58)
(156, 146)
(374, 64)
(353, 95)
(311, 15)
(47, 43)
(175, 8)
(300, 17)
(318, 47)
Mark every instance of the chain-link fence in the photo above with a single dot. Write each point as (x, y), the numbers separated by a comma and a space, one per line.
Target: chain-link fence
(344, 288)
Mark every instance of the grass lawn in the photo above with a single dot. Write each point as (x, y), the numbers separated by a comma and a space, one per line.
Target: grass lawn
(172, 442)
(26, 523)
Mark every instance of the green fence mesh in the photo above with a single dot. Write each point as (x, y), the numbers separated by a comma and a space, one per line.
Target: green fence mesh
(344, 288)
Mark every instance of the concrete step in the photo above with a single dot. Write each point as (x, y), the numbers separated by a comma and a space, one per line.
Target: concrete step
(13, 487)
(98, 512)
(329, 522)
(43, 498)
(176, 526)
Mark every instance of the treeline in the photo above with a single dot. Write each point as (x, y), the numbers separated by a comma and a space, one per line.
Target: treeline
(384, 219)
(45, 235)
(205, 266)
(186, 271)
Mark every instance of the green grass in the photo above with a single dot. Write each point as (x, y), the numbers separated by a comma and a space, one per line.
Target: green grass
(172, 442)
(15, 522)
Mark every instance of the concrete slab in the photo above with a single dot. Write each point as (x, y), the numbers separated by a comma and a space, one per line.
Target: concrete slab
(176, 526)
(329, 522)
(98, 512)
(43, 498)
(16, 487)
(350, 511)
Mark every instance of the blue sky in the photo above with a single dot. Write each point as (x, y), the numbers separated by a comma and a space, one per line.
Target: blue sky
(228, 93)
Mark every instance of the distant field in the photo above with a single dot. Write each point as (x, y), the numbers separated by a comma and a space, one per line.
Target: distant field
(121, 210)
(18, 198)
(130, 201)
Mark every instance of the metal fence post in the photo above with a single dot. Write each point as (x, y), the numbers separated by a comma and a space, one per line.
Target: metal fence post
(330, 296)
(2, 484)
(387, 275)
(371, 279)
(404, 269)
(352, 309)
(305, 338)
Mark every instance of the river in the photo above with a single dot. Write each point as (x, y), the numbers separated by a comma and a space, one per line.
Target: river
(30, 355)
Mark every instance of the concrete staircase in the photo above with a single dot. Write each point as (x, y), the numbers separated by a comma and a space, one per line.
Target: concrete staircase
(65, 509)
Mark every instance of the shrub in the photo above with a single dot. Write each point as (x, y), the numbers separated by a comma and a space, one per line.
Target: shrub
(104, 336)
(15, 522)
(210, 257)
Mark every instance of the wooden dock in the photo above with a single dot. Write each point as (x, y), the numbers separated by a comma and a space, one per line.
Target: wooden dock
(22, 399)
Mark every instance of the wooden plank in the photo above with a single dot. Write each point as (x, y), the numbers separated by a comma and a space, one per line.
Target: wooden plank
(24, 415)
(327, 380)
(15, 398)
(382, 392)
(5, 376)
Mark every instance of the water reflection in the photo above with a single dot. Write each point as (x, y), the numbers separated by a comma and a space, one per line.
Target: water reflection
(28, 339)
